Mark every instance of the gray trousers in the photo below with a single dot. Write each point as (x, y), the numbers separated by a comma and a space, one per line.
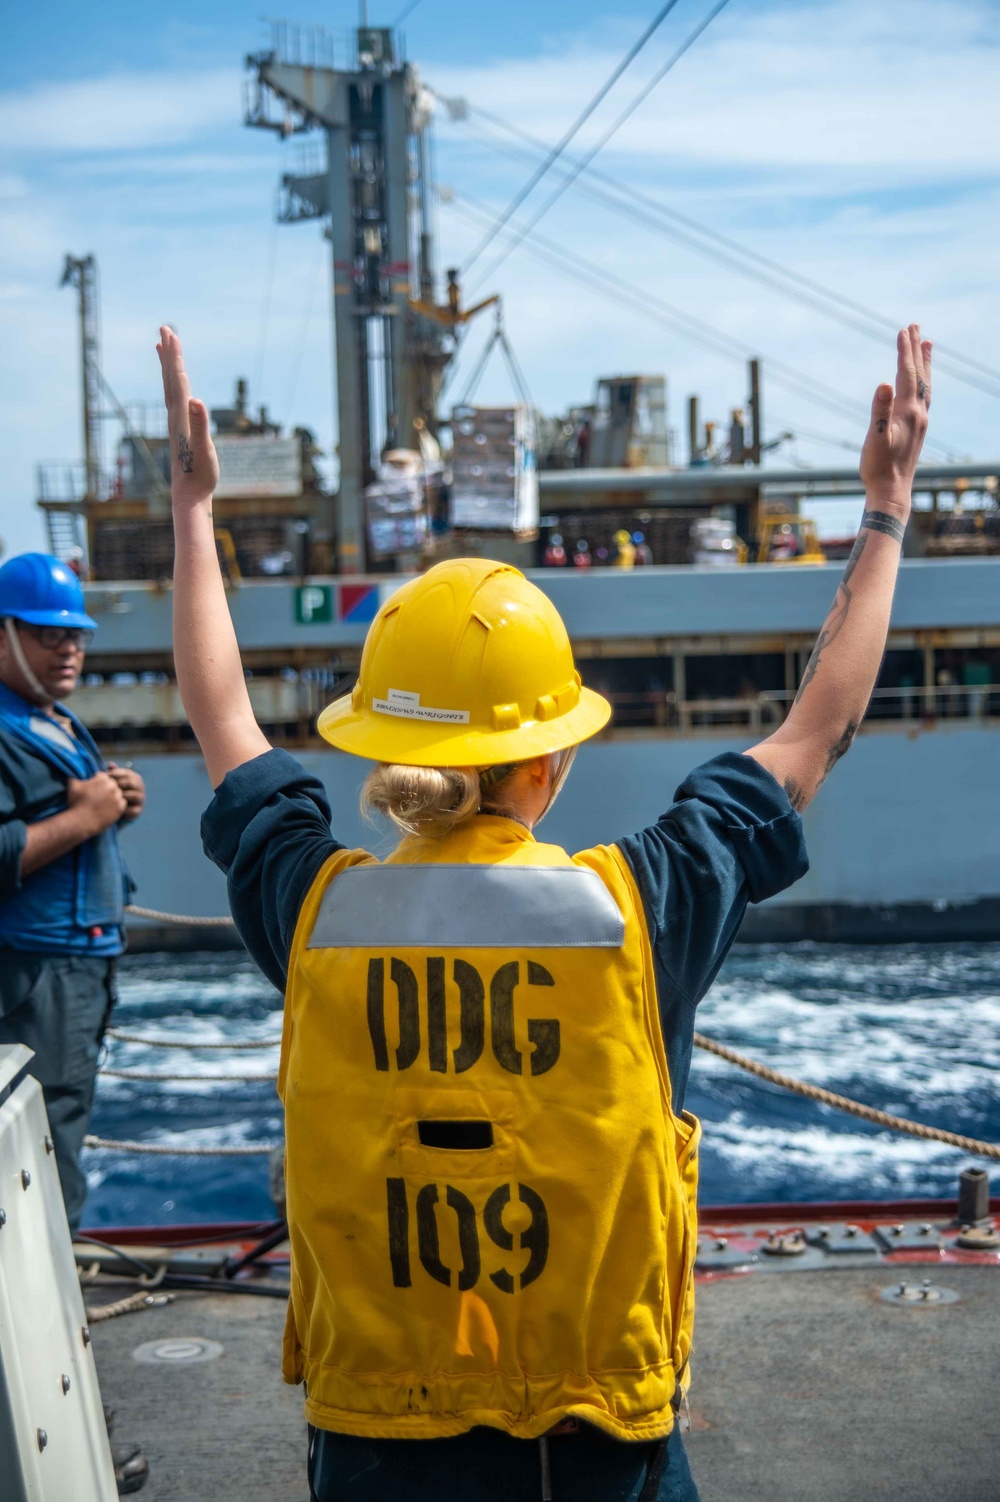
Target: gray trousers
(60, 1005)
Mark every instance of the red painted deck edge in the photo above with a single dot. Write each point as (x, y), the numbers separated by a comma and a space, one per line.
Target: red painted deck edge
(783, 1213)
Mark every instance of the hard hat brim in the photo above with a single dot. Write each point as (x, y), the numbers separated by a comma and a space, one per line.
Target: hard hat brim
(73, 618)
(412, 743)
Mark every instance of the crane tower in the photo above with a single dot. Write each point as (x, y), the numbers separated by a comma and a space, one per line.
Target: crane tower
(81, 272)
(373, 192)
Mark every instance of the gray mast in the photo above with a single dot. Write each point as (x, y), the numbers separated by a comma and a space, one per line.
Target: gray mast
(81, 272)
(389, 357)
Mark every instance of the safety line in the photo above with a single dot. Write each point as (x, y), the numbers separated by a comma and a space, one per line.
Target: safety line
(260, 1149)
(124, 1037)
(153, 1074)
(152, 912)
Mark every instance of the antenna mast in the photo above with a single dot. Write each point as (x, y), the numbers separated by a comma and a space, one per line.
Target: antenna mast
(81, 272)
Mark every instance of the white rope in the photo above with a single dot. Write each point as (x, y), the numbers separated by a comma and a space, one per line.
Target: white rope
(183, 918)
(124, 1037)
(152, 1074)
(111, 1145)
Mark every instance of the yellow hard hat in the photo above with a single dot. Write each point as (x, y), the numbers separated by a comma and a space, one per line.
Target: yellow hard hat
(467, 666)
(622, 537)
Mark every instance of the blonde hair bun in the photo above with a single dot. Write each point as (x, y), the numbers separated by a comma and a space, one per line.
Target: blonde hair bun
(429, 801)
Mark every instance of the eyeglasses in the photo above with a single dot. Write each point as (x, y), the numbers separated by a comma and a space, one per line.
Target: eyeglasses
(52, 637)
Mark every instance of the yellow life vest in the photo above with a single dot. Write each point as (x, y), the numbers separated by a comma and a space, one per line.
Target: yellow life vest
(491, 1204)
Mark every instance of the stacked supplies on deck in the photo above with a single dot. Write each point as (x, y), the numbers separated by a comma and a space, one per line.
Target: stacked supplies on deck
(396, 503)
(495, 473)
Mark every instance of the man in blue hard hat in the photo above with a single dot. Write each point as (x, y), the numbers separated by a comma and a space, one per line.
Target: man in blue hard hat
(63, 884)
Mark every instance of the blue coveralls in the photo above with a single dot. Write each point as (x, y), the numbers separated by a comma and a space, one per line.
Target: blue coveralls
(60, 928)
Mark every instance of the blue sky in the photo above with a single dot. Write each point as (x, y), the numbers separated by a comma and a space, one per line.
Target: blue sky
(851, 139)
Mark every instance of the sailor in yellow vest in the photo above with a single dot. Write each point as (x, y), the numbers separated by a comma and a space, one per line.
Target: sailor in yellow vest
(491, 1179)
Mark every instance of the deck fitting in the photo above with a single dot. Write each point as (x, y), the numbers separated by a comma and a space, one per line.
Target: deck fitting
(923, 1295)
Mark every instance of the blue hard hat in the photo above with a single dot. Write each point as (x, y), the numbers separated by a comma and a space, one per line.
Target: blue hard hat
(39, 589)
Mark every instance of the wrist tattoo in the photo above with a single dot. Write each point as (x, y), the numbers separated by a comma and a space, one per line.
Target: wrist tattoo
(881, 521)
(185, 455)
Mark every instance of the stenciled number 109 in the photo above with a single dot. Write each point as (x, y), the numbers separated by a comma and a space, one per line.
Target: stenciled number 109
(534, 1237)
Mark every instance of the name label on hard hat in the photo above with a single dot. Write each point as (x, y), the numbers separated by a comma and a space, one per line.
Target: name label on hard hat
(408, 707)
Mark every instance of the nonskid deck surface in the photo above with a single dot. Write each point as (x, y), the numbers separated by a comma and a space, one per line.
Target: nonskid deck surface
(809, 1388)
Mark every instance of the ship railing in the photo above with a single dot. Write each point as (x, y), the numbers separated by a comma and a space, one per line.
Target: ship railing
(920, 704)
(61, 481)
(662, 709)
(288, 705)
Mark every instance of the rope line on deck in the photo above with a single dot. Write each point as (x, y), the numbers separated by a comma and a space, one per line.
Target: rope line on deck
(258, 1149)
(152, 912)
(844, 1102)
(124, 1037)
(130, 1305)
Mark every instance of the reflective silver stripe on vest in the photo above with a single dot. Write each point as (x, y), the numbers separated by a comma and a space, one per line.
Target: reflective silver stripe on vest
(467, 907)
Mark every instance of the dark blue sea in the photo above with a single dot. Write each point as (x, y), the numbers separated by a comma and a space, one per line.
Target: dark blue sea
(912, 1029)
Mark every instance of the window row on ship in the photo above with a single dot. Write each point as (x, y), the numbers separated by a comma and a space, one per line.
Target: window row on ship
(658, 686)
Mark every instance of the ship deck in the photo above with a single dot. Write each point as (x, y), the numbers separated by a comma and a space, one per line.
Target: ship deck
(807, 1388)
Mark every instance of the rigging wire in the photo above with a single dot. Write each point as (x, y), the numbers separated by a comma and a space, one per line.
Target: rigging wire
(556, 151)
(606, 284)
(727, 251)
(595, 276)
(584, 162)
(498, 338)
(406, 11)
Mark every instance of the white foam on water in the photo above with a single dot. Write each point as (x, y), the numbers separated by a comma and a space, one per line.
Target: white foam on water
(913, 1030)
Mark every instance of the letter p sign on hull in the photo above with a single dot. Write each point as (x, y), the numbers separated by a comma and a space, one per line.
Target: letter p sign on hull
(313, 604)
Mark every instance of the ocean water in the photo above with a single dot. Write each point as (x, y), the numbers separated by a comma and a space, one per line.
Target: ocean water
(912, 1029)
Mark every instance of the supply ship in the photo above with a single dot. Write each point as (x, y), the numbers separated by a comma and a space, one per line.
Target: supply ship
(697, 651)
(693, 591)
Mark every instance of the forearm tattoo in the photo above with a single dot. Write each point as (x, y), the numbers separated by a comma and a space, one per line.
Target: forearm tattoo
(185, 455)
(796, 794)
(841, 746)
(872, 521)
(881, 521)
(838, 615)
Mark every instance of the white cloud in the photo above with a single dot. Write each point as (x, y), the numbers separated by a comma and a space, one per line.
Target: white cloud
(815, 87)
(877, 178)
(119, 112)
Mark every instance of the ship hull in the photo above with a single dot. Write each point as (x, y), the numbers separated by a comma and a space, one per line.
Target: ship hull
(902, 840)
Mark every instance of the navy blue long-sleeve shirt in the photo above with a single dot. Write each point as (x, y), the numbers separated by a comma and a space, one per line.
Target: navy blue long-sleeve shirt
(730, 837)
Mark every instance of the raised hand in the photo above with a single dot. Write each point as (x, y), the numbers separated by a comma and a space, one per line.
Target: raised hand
(194, 464)
(898, 424)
